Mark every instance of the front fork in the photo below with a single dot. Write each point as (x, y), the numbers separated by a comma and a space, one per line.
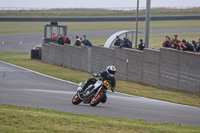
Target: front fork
(98, 91)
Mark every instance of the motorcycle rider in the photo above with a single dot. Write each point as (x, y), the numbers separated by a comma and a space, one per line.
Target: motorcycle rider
(108, 75)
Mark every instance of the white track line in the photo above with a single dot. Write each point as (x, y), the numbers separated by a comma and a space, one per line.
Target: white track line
(48, 91)
(39, 73)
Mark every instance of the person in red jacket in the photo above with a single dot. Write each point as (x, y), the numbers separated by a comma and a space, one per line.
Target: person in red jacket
(64, 39)
(181, 45)
(53, 35)
(174, 40)
(166, 43)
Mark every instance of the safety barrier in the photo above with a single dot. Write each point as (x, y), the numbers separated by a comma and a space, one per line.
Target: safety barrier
(166, 68)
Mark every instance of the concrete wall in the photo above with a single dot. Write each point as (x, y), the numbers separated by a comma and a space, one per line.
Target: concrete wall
(166, 68)
(151, 67)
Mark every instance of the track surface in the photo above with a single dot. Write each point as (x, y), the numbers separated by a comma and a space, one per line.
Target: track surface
(21, 87)
(29, 40)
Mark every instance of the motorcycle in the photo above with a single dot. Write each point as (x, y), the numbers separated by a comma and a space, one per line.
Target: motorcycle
(93, 94)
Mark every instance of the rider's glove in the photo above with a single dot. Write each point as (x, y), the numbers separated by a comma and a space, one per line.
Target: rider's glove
(95, 74)
(113, 89)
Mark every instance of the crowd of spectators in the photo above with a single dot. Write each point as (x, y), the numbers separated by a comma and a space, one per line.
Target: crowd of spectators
(123, 43)
(181, 45)
(85, 41)
(169, 43)
(65, 40)
(127, 43)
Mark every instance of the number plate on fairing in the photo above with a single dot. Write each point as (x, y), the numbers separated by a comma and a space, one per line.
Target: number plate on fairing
(106, 84)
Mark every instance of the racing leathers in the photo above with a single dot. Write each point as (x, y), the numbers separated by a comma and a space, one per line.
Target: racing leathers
(105, 76)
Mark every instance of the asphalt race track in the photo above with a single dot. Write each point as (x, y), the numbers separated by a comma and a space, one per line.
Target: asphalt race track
(29, 40)
(23, 87)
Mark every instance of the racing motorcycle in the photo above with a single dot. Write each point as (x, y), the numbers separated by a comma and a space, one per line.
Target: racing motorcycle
(93, 94)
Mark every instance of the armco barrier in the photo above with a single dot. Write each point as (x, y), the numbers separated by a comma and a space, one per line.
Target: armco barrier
(166, 68)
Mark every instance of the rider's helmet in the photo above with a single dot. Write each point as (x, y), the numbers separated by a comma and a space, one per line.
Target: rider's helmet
(111, 71)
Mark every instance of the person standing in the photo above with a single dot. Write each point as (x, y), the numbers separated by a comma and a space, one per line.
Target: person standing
(174, 40)
(78, 41)
(188, 46)
(60, 40)
(67, 40)
(141, 45)
(126, 43)
(118, 41)
(64, 39)
(196, 45)
(86, 42)
(53, 35)
(166, 43)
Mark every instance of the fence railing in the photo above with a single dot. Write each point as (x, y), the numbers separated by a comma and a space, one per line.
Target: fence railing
(107, 8)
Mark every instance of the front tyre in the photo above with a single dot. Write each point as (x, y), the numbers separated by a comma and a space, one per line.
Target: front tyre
(76, 100)
(104, 99)
(96, 100)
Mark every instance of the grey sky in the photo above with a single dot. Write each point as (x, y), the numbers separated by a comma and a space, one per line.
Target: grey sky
(95, 3)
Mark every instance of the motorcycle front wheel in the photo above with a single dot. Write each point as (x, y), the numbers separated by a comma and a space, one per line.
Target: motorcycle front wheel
(96, 100)
(76, 100)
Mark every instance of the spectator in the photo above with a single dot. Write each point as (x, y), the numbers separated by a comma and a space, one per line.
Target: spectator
(78, 41)
(64, 39)
(196, 46)
(188, 46)
(60, 40)
(181, 45)
(126, 43)
(118, 41)
(174, 41)
(67, 41)
(166, 43)
(131, 44)
(53, 35)
(176, 44)
(141, 45)
(86, 42)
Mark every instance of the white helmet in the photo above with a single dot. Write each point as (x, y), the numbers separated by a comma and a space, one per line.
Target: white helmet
(111, 70)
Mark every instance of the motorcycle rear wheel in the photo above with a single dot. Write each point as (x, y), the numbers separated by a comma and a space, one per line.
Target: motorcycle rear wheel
(76, 100)
(96, 100)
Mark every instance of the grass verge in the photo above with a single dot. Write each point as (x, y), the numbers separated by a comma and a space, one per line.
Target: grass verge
(24, 119)
(80, 12)
(36, 27)
(23, 59)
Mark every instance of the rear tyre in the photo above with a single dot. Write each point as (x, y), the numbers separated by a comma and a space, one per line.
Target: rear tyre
(76, 100)
(96, 100)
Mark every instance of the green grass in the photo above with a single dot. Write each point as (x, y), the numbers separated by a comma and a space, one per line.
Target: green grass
(23, 59)
(35, 27)
(23, 119)
(97, 12)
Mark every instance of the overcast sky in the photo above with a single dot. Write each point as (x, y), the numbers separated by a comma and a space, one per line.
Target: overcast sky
(95, 3)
